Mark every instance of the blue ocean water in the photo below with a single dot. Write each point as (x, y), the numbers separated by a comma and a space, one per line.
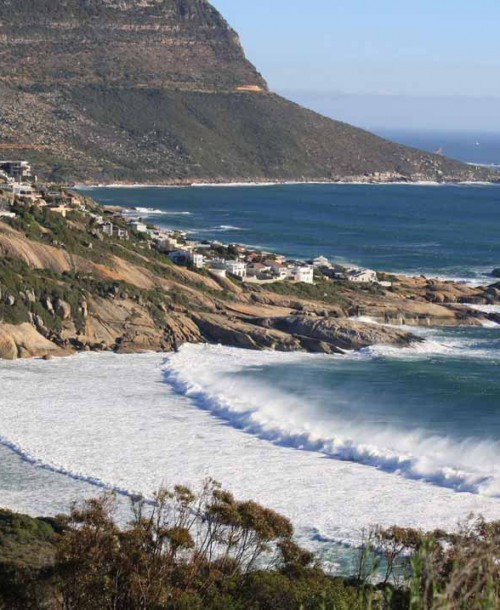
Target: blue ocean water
(431, 412)
(469, 147)
(315, 437)
(450, 231)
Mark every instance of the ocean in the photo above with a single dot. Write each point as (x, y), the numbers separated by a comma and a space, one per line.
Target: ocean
(337, 443)
(474, 147)
(446, 231)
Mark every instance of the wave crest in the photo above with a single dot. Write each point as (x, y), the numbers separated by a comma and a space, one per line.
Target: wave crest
(210, 379)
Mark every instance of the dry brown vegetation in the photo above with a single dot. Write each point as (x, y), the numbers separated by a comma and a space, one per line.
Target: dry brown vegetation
(208, 550)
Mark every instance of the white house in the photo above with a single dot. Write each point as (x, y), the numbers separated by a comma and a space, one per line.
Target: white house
(17, 170)
(187, 257)
(280, 270)
(168, 244)
(137, 226)
(179, 257)
(197, 260)
(304, 274)
(120, 233)
(321, 261)
(237, 268)
(362, 276)
(25, 191)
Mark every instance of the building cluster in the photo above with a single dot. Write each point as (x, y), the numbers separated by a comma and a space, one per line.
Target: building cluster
(348, 273)
(248, 264)
(235, 260)
(18, 186)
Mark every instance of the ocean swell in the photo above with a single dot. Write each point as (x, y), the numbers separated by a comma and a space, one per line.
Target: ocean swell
(210, 379)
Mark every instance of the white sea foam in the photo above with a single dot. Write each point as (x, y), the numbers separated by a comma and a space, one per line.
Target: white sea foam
(112, 420)
(435, 344)
(485, 308)
(282, 419)
(157, 212)
(220, 229)
(228, 228)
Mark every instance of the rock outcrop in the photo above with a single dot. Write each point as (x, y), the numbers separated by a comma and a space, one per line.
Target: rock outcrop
(54, 301)
(23, 341)
(161, 91)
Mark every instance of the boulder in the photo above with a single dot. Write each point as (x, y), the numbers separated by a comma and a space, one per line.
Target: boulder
(23, 341)
(47, 304)
(30, 295)
(62, 309)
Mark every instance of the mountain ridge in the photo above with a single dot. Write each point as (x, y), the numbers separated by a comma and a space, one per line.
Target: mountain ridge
(160, 91)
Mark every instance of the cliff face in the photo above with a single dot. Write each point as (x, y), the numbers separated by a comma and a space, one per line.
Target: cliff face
(161, 91)
(135, 43)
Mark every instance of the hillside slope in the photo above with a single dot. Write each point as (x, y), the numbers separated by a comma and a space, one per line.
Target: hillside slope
(66, 286)
(161, 91)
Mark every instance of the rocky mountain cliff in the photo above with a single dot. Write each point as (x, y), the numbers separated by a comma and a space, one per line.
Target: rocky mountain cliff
(161, 91)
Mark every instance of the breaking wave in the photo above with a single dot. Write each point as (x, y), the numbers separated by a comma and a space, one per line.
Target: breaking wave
(157, 212)
(28, 457)
(211, 380)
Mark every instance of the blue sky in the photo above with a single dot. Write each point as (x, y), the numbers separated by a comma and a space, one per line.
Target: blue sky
(386, 52)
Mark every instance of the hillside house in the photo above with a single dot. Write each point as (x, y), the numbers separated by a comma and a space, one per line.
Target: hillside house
(138, 227)
(237, 268)
(321, 262)
(119, 232)
(279, 270)
(257, 268)
(167, 244)
(61, 209)
(187, 258)
(18, 171)
(107, 228)
(361, 276)
(303, 273)
(25, 193)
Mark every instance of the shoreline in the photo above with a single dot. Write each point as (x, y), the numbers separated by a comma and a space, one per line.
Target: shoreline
(151, 366)
(254, 317)
(181, 185)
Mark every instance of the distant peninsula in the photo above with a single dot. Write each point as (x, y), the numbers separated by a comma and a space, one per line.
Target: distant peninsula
(155, 92)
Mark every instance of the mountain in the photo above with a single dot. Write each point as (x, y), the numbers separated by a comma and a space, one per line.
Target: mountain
(161, 91)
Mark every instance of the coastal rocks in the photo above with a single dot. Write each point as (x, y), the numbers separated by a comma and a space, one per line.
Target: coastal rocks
(62, 309)
(299, 333)
(496, 272)
(493, 292)
(47, 304)
(233, 332)
(339, 334)
(23, 341)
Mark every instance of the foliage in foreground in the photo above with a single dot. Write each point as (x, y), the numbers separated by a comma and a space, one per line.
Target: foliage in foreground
(210, 551)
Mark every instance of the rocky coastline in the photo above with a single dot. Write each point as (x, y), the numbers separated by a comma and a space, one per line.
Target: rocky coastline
(65, 288)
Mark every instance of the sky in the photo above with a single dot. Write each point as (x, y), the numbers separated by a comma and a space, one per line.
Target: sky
(379, 63)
